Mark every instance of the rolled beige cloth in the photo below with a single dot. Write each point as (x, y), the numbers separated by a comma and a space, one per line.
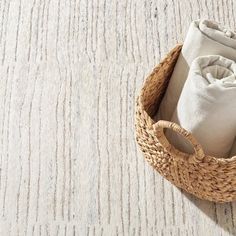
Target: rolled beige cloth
(203, 38)
(207, 106)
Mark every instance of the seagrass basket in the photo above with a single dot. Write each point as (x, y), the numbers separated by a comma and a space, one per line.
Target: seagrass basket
(204, 176)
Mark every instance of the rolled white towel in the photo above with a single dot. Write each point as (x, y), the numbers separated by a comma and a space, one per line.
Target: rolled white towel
(203, 38)
(207, 106)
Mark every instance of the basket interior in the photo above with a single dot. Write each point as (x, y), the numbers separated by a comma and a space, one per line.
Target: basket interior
(154, 89)
(156, 84)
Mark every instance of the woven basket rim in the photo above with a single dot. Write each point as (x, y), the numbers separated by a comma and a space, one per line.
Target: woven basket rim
(141, 97)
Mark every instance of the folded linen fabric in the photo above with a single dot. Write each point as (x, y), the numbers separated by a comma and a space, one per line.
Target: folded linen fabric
(203, 38)
(206, 107)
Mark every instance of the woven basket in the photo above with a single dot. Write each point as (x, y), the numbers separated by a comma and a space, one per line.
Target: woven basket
(204, 176)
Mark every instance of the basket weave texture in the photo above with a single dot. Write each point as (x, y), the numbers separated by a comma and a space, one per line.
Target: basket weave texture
(204, 176)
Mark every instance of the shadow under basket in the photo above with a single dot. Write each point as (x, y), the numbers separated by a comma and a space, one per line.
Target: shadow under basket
(204, 176)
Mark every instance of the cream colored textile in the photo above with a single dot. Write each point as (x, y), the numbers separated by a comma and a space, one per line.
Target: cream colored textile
(206, 106)
(203, 38)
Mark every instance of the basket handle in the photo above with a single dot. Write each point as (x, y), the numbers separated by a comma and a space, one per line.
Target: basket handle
(159, 131)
